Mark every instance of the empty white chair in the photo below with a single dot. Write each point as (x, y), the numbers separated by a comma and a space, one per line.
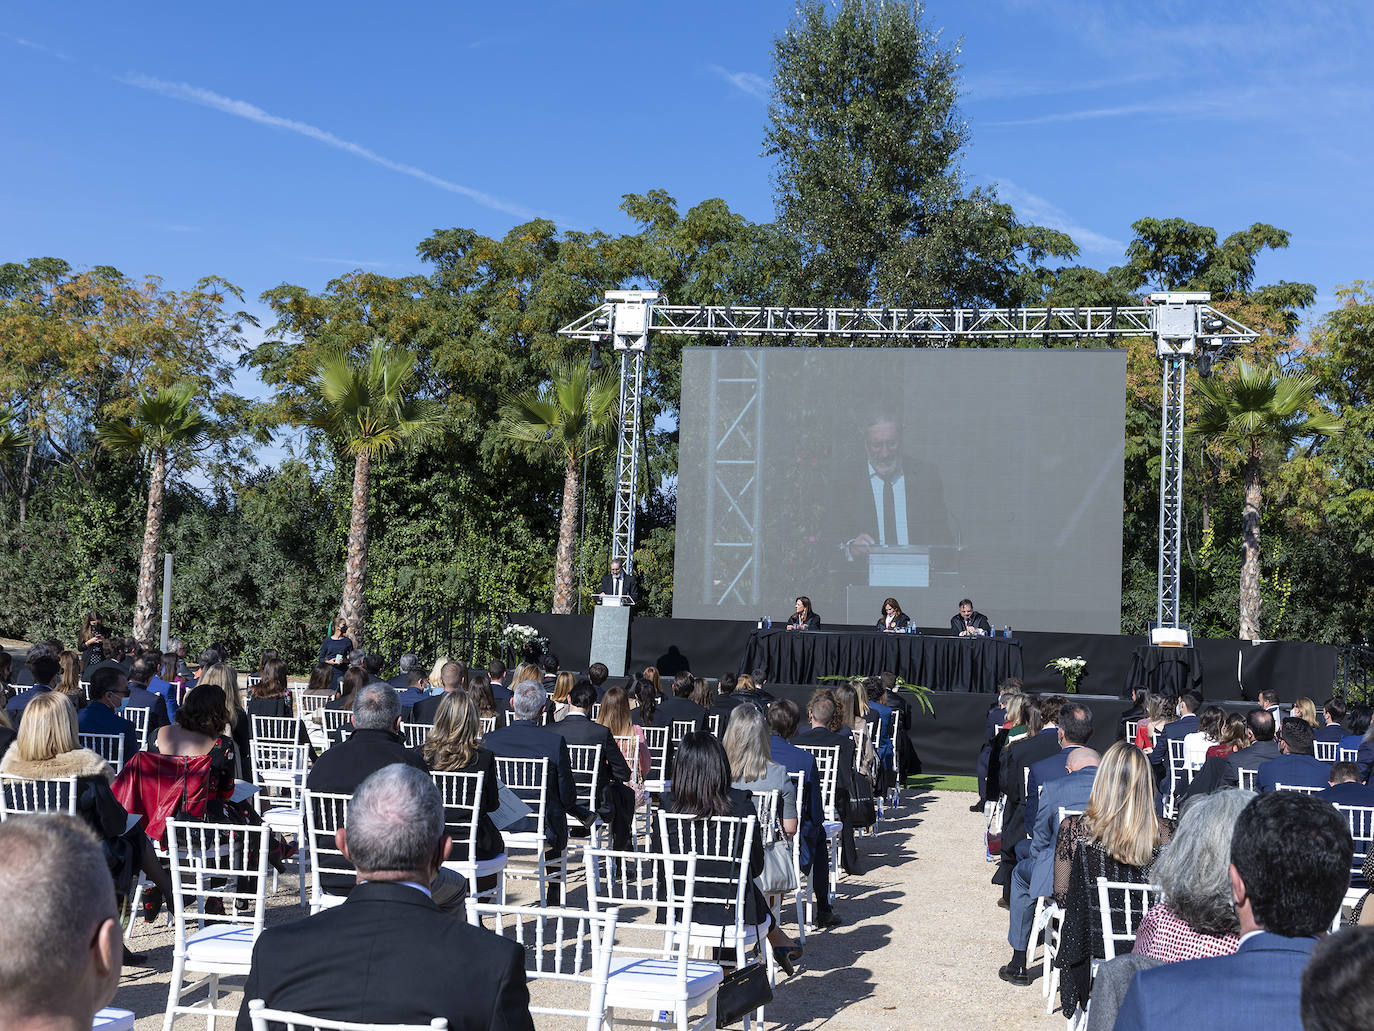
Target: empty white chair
(279, 771)
(214, 867)
(263, 1019)
(462, 795)
(325, 813)
(109, 747)
(827, 766)
(529, 780)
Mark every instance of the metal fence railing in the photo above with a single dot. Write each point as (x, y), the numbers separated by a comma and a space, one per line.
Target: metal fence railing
(1355, 672)
(434, 629)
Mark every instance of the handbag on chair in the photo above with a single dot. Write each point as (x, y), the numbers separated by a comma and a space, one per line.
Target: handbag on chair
(779, 874)
(743, 990)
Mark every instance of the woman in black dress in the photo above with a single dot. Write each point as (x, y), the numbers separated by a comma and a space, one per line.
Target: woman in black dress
(337, 645)
(892, 619)
(804, 618)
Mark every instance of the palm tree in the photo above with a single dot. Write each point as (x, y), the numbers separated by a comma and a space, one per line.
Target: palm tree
(168, 424)
(369, 410)
(1260, 412)
(570, 416)
(13, 439)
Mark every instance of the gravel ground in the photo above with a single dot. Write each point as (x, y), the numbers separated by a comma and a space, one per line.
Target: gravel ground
(920, 946)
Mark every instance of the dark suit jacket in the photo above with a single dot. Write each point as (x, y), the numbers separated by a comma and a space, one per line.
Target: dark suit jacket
(679, 710)
(812, 622)
(523, 740)
(1175, 731)
(1344, 794)
(1262, 981)
(1294, 770)
(16, 705)
(629, 585)
(141, 698)
(402, 955)
(1022, 755)
(1249, 758)
(902, 621)
(342, 768)
(1070, 791)
(577, 729)
(1041, 773)
(1330, 732)
(723, 706)
(97, 718)
(811, 808)
(927, 517)
(844, 776)
(958, 624)
(427, 708)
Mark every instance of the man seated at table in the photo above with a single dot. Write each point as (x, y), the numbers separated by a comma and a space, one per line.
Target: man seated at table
(968, 623)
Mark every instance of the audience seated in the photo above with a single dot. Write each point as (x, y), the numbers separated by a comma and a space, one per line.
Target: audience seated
(1019, 758)
(1344, 787)
(678, 706)
(1178, 730)
(1338, 983)
(1075, 729)
(43, 668)
(1290, 863)
(1262, 748)
(414, 963)
(452, 678)
(614, 715)
(140, 674)
(109, 689)
(1296, 766)
(452, 747)
(1196, 745)
(1333, 713)
(1355, 725)
(616, 801)
(60, 950)
(813, 849)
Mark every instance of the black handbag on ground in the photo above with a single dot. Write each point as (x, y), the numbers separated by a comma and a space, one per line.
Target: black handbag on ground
(860, 810)
(744, 990)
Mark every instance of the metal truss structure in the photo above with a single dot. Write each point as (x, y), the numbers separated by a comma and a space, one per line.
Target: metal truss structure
(1184, 327)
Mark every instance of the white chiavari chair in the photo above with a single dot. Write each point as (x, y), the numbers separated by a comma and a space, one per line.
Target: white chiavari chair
(462, 795)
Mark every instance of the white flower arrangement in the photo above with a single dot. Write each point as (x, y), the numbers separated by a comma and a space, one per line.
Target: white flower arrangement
(1070, 669)
(520, 635)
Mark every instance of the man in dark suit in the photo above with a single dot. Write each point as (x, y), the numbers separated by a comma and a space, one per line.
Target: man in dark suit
(415, 691)
(405, 971)
(1021, 756)
(1290, 864)
(409, 661)
(1333, 712)
(813, 854)
(893, 501)
(1176, 730)
(968, 623)
(598, 674)
(141, 671)
(1034, 874)
(1296, 766)
(616, 803)
(60, 955)
(45, 669)
(1344, 787)
(821, 711)
(1075, 729)
(452, 678)
(725, 702)
(525, 739)
(1259, 725)
(109, 688)
(677, 707)
(620, 582)
(23, 676)
(376, 742)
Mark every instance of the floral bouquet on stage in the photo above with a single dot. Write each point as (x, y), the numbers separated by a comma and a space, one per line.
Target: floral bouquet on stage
(1070, 669)
(523, 639)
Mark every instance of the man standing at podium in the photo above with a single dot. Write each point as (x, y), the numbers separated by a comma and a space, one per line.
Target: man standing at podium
(619, 582)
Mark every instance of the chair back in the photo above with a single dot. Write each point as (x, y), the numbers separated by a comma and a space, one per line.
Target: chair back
(488, 724)
(1180, 773)
(325, 812)
(1246, 778)
(586, 767)
(306, 705)
(19, 795)
(570, 947)
(279, 770)
(653, 892)
(722, 846)
(680, 729)
(415, 734)
(713, 721)
(462, 795)
(263, 1019)
(827, 765)
(1122, 905)
(1131, 727)
(284, 730)
(657, 740)
(529, 780)
(109, 747)
(337, 723)
(1360, 820)
(1325, 751)
(766, 805)
(138, 715)
(1302, 789)
(251, 683)
(1348, 755)
(217, 861)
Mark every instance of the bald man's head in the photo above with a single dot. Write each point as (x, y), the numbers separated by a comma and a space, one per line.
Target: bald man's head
(1080, 758)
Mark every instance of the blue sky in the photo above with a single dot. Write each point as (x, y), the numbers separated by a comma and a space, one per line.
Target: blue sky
(295, 141)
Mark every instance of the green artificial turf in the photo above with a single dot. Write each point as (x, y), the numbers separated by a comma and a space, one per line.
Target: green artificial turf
(940, 782)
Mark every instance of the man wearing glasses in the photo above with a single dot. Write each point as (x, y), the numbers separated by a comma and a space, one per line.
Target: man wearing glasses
(898, 503)
(109, 689)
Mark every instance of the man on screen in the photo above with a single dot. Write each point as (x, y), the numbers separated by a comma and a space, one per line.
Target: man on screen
(897, 503)
(619, 582)
(967, 623)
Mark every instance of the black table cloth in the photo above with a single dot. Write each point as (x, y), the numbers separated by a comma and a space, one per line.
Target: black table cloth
(1166, 671)
(939, 663)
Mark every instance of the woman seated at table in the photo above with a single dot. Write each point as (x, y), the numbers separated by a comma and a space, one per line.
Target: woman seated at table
(47, 748)
(701, 789)
(804, 618)
(1119, 837)
(892, 619)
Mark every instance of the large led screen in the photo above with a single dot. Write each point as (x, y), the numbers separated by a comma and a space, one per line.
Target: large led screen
(851, 475)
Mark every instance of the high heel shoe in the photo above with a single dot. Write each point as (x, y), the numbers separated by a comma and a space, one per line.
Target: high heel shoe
(787, 957)
(152, 903)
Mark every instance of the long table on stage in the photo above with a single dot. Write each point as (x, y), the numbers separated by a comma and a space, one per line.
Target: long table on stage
(940, 663)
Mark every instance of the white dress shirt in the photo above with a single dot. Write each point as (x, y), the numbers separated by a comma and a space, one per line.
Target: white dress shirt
(898, 504)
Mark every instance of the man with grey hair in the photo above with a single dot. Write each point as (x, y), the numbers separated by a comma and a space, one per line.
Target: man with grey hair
(61, 951)
(409, 661)
(525, 739)
(376, 743)
(414, 963)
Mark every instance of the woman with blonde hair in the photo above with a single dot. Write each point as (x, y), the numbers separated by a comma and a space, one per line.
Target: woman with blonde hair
(226, 678)
(1307, 709)
(453, 747)
(616, 717)
(47, 748)
(562, 687)
(752, 768)
(1119, 837)
(435, 679)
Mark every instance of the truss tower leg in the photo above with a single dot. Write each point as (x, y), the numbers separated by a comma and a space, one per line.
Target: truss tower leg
(627, 456)
(1171, 490)
(734, 498)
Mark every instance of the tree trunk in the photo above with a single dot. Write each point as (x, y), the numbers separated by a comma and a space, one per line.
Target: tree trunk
(355, 566)
(563, 572)
(1250, 554)
(26, 481)
(145, 605)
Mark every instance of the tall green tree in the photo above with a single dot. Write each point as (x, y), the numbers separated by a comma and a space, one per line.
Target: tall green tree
(165, 425)
(368, 410)
(1261, 413)
(866, 133)
(570, 416)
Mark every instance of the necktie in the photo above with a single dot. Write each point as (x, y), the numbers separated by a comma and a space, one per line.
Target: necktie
(617, 585)
(889, 515)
